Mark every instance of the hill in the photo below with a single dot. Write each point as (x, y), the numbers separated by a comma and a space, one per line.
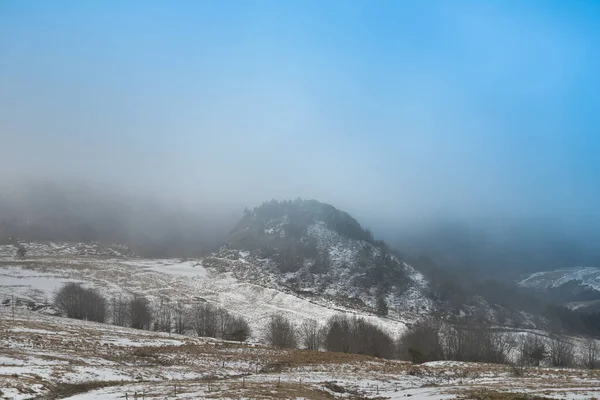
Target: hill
(36, 277)
(314, 249)
(578, 288)
(303, 258)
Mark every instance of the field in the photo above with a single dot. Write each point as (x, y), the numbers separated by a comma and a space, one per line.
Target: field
(50, 357)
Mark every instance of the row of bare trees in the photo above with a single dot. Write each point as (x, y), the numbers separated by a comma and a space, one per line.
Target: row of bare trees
(340, 334)
(134, 312)
(557, 351)
(79, 302)
(429, 340)
(76, 301)
(424, 341)
(211, 321)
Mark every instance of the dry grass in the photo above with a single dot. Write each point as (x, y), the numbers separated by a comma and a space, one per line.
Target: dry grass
(271, 391)
(67, 390)
(494, 395)
(238, 370)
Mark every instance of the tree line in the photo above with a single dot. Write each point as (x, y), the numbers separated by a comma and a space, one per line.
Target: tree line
(467, 340)
(427, 340)
(203, 319)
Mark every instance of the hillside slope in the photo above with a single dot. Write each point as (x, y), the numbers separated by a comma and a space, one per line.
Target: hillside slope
(45, 357)
(36, 278)
(316, 250)
(303, 259)
(578, 288)
(585, 277)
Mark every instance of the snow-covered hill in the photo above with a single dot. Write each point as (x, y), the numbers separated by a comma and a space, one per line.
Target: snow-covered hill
(576, 288)
(45, 249)
(303, 259)
(315, 250)
(36, 278)
(584, 277)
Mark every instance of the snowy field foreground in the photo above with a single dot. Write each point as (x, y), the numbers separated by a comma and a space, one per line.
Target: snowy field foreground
(50, 357)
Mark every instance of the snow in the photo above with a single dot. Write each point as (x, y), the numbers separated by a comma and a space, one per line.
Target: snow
(39, 351)
(210, 368)
(7, 361)
(43, 331)
(175, 280)
(101, 394)
(585, 276)
(444, 364)
(192, 268)
(29, 284)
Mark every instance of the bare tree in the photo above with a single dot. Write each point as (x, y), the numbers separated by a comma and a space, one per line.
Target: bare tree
(162, 316)
(338, 332)
(561, 352)
(120, 310)
(211, 321)
(95, 306)
(75, 301)
(358, 336)
(237, 329)
(469, 341)
(280, 332)
(421, 343)
(532, 351)
(140, 315)
(204, 320)
(311, 335)
(69, 300)
(223, 319)
(181, 319)
(370, 340)
(591, 354)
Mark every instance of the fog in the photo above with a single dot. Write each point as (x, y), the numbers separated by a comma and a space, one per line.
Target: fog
(410, 116)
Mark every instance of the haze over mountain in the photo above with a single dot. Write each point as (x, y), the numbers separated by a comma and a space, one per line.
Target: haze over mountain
(267, 198)
(463, 132)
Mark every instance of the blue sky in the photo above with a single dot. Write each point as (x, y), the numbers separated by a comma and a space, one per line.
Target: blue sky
(390, 109)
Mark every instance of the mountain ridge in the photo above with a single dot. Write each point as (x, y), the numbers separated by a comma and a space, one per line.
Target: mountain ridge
(576, 287)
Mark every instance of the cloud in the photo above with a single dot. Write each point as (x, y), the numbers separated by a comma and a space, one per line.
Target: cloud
(404, 111)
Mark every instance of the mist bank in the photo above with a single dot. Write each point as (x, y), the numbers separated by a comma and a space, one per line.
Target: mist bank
(502, 248)
(153, 227)
(157, 225)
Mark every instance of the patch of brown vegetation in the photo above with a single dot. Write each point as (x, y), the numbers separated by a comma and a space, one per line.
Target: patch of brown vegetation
(494, 395)
(67, 390)
(262, 391)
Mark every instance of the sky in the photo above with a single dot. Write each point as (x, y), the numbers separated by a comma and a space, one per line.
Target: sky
(392, 110)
